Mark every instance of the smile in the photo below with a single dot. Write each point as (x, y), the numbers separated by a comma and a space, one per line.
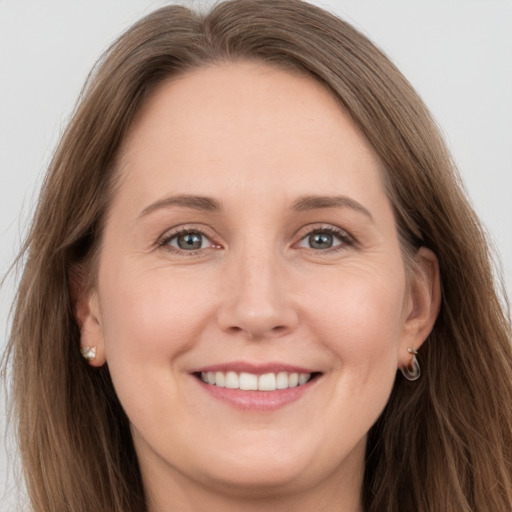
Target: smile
(263, 388)
(252, 382)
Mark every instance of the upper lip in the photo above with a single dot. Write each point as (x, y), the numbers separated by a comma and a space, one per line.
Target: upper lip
(256, 369)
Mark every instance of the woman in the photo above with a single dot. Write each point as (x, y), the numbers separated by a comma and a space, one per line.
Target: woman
(250, 224)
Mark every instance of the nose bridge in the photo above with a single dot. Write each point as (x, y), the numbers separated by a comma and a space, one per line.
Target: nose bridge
(257, 298)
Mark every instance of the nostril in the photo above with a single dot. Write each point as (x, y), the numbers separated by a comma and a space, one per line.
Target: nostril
(279, 330)
(273, 332)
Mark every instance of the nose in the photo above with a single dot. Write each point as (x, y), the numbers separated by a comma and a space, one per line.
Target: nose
(257, 298)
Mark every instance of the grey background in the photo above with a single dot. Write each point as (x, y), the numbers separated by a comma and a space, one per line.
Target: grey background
(457, 53)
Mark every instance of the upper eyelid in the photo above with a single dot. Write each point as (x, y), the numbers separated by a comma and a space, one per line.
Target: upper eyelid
(319, 227)
(185, 228)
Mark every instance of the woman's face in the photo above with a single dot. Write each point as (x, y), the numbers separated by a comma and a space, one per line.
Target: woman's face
(250, 244)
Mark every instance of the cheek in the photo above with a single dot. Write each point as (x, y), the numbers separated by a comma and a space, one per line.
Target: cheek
(357, 316)
(148, 321)
(361, 315)
(151, 310)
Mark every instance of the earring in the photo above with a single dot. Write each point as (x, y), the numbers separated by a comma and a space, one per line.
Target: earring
(412, 372)
(88, 353)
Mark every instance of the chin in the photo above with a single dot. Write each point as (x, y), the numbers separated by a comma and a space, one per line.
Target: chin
(253, 467)
(258, 480)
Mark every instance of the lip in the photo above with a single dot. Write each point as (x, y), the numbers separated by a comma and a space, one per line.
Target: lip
(257, 401)
(256, 369)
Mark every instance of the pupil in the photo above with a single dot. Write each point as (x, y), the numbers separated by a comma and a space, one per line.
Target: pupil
(190, 241)
(320, 241)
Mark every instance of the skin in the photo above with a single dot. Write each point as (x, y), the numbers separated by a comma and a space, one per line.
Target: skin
(256, 140)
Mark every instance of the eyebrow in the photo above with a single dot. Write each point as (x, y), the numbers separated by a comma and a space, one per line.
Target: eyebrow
(201, 203)
(306, 203)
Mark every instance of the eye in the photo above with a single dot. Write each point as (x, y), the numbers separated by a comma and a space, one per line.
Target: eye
(188, 241)
(325, 238)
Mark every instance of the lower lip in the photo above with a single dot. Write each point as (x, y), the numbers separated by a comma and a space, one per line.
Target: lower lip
(258, 400)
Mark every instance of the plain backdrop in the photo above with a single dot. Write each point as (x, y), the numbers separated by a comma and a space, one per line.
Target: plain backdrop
(457, 53)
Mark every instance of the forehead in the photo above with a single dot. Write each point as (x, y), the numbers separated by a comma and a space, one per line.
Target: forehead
(248, 123)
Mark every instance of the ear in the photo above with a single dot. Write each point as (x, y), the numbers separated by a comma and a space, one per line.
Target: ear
(423, 303)
(87, 315)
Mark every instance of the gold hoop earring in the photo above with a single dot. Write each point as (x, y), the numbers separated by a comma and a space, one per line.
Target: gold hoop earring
(412, 372)
(88, 353)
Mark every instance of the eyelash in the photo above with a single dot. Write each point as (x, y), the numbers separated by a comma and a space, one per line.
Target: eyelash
(167, 238)
(345, 239)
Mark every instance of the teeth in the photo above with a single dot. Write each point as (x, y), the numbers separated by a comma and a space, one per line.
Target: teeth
(252, 382)
(248, 381)
(267, 382)
(293, 380)
(220, 379)
(282, 380)
(303, 378)
(232, 380)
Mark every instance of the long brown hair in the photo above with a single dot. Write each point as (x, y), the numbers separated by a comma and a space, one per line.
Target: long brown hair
(443, 443)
